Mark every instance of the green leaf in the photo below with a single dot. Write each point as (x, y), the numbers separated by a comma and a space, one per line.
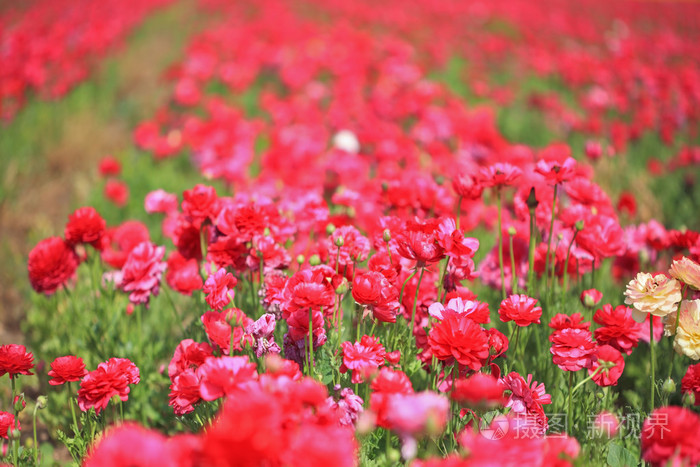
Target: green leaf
(620, 457)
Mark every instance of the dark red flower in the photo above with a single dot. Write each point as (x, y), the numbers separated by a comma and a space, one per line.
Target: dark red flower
(52, 262)
(15, 360)
(111, 378)
(691, 382)
(66, 369)
(85, 225)
(572, 349)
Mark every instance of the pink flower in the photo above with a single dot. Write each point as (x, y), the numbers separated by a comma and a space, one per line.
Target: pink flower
(572, 349)
(111, 378)
(219, 289)
(160, 201)
(363, 358)
(521, 309)
(142, 272)
(221, 376)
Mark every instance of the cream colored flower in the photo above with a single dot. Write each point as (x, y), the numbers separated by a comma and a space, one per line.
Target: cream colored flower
(657, 295)
(687, 340)
(687, 271)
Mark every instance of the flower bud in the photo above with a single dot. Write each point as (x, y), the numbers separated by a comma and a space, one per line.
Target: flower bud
(315, 260)
(300, 259)
(266, 232)
(339, 242)
(689, 399)
(512, 231)
(19, 403)
(532, 200)
(579, 225)
(591, 297)
(669, 386)
(13, 434)
(343, 288)
(393, 455)
(386, 235)
(42, 402)
(330, 228)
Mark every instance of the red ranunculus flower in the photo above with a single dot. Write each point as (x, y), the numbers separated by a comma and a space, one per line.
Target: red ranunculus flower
(671, 434)
(691, 382)
(618, 328)
(7, 422)
(499, 174)
(52, 262)
(111, 378)
(15, 360)
(221, 376)
(591, 297)
(418, 241)
(572, 349)
(374, 290)
(479, 391)
(562, 321)
(131, 444)
(66, 369)
(117, 192)
(85, 225)
(200, 203)
(219, 289)
(182, 274)
(613, 365)
(521, 309)
(387, 382)
(460, 338)
(188, 354)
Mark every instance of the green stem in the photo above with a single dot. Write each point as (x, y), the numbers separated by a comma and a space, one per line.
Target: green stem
(675, 330)
(653, 364)
(459, 209)
(513, 275)
(442, 278)
(500, 244)
(565, 287)
(415, 301)
(36, 445)
(311, 341)
(531, 255)
(406, 282)
(571, 381)
(551, 231)
(15, 442)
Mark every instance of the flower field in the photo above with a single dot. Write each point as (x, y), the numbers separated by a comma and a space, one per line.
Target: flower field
(350, 233)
